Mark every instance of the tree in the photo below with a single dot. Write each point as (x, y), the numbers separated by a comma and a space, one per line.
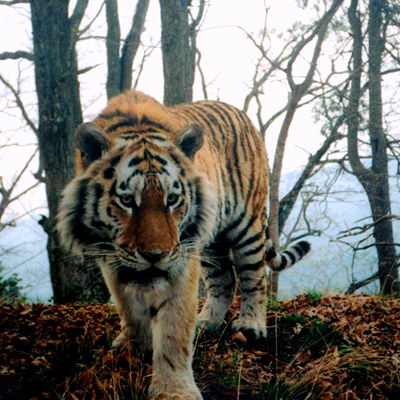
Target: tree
(178, 44)
(56, 75)
(375, 179)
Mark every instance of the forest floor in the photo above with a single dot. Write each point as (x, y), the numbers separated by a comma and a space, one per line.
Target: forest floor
(332, 347)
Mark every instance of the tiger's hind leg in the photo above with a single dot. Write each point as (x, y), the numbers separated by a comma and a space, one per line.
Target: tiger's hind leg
(219, 279)
(248, 250)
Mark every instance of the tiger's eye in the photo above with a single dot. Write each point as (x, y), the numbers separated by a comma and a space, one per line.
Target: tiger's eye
(127, 200)
(172, 199)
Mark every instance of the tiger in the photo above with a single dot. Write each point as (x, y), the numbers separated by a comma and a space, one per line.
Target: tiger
(162, 197)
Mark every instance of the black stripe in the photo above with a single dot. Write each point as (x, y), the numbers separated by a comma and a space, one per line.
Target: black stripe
(193, 229)
(250, 240)
(199, 115)
(114, 161)
(270, 253)
(291, 256)
(244, 231)
(302, 247)
(251, 267)
(114, 114)
(217, 109)
(254, 251)
(154, 311)
(252, 290)
(109, 212)
(108, 173)
(98, 192)
(218, 272)
(135, 161)
(146, 121)
(156, 137)
(246, 125)
(127, 121)
(282, 266)
(78, 229)
(180, 204)
(160, 160)
(127, 275)
(113, 190)
(128, 137)
(178, 164)
(235, 136)
(235, 223)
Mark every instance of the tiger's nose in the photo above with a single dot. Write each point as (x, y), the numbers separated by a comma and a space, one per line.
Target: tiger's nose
(153, 256)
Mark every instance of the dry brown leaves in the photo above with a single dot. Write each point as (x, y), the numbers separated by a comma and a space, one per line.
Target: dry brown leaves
(64, 351)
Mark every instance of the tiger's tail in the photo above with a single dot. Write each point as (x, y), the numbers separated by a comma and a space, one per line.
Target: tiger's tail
(279, 261)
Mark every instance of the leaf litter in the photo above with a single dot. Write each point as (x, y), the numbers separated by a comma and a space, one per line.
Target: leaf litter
(338, 347)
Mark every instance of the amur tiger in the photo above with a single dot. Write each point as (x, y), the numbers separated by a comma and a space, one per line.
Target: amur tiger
(162, 195)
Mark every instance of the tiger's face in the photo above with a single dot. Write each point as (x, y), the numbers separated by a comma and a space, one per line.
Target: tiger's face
(139, 204)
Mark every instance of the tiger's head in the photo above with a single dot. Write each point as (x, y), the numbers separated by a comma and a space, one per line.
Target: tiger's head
(138, 205)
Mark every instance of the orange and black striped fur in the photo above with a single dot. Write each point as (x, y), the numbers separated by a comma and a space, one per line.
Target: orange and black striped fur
(159, 191)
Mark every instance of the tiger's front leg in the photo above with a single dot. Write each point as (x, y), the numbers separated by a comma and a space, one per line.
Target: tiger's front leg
(173, 326)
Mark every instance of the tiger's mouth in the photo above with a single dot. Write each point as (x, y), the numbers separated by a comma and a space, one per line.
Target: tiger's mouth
(129, 275)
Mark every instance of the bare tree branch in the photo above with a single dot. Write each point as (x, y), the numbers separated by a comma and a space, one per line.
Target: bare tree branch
(196, 21)
(76, 18)
(12, 2)
(357, 285)
(87, 69)
(358, 230)
(87, 27)
(20, 105)
(132, 43)
(6, 194)
(298, 91)
(7, 55)
(202, 77)
(287, 203)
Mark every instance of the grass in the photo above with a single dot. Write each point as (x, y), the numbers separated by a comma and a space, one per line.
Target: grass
(314, 296)
(282, 389)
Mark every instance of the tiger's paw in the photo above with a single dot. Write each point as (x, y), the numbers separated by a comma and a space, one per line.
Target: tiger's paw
(208, 325)
(251, 328)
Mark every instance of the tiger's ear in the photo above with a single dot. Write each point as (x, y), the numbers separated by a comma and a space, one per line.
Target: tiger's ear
(91, 140)
(190, 140)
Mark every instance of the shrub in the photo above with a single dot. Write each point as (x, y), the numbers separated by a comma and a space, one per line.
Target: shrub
(10, 290)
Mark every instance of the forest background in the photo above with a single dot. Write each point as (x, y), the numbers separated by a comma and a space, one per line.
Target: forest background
(309, 73)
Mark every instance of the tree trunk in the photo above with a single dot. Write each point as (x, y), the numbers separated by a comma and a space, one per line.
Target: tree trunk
(178, 44)
(56, 76)
(379, 193)
(113, 44)
(375, 180)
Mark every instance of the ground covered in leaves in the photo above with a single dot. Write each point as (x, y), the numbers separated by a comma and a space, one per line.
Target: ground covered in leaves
(334, 347)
